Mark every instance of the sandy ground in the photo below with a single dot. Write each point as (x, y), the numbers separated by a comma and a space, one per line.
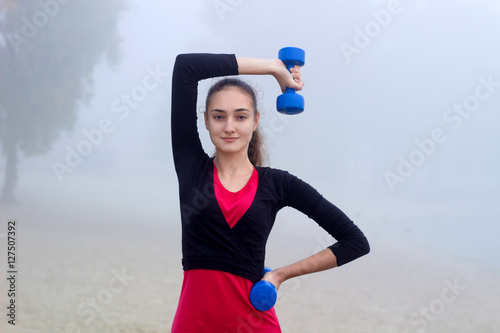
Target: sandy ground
(108, 269)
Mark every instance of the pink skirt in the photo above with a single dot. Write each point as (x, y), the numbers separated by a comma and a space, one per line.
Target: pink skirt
(218, 302)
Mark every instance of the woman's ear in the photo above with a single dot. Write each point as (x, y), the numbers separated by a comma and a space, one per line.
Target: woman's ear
(256, 120)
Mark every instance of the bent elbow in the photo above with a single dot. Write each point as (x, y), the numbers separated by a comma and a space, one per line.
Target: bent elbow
(366, 247)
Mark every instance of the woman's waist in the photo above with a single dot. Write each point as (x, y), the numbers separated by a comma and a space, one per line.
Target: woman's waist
(248, 271)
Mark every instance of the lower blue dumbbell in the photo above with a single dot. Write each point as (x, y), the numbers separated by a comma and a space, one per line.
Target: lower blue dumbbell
(263, 294)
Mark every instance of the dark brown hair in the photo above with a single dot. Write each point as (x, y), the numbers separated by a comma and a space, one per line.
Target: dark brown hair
(255, 148)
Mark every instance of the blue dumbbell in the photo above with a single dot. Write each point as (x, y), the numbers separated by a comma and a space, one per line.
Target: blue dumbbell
(263, 294)
(291, 102)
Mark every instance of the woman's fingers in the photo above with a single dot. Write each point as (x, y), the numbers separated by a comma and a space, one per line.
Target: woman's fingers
(288, 78)
(295, 71)
(296, 75)
(294, 79)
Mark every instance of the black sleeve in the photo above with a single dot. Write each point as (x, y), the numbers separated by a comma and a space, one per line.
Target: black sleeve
(351, 242)
(188, 70)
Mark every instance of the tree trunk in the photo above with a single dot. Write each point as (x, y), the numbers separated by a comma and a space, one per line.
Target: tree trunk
(10, 179)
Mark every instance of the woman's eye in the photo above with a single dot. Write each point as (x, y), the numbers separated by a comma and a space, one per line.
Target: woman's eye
(218, 117)
(242, 117)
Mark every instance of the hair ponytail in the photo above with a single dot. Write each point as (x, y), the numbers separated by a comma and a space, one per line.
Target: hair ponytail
(256, 149)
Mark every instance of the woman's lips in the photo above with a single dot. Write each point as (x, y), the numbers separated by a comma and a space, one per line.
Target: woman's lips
(228, 139)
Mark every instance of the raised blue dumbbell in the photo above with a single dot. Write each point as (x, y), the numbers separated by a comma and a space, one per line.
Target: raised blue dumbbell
(290, 102)
(263, 294)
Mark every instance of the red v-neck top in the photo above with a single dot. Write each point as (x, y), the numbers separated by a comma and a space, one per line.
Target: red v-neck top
(235, 204)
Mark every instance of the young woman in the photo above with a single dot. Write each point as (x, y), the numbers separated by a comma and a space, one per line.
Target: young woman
(229, 202)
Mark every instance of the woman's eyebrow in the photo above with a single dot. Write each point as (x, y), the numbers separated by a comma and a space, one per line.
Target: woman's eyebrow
(218, 110)
(237, 110)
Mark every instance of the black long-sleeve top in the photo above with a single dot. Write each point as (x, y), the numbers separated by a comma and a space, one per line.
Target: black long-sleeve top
(207, 240)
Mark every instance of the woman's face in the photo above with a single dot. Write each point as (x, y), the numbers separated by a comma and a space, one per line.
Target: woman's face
(230, 119)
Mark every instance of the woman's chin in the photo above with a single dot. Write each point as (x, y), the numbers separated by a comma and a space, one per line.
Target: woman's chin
(231, 149)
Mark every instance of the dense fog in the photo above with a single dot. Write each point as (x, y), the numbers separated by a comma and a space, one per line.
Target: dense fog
(399, 128)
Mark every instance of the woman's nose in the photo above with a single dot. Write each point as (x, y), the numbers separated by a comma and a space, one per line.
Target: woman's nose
(229, 127)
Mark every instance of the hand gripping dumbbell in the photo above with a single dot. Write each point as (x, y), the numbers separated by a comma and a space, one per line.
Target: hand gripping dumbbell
(290, 102)
(263, 294)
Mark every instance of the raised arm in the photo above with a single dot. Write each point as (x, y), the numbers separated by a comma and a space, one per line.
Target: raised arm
(188, 70)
